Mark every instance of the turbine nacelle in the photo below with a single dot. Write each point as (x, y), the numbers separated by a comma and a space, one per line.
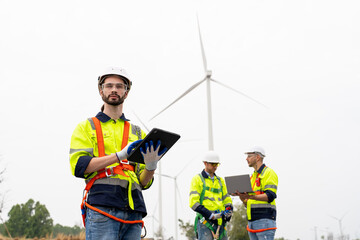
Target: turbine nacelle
(208, 73)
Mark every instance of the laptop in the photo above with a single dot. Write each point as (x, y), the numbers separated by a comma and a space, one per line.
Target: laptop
(240, 183)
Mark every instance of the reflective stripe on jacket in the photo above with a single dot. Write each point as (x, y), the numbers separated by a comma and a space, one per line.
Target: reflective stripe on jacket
(264, 180)
(113, 191)
(216, 196)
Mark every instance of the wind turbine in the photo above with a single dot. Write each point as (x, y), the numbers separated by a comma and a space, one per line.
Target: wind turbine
(160, 184)
(340, 225)
(208, 79)
(176, 192)
(153, 219)
(160, 188)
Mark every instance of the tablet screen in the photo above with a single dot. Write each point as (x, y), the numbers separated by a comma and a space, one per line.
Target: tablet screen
(168, 139)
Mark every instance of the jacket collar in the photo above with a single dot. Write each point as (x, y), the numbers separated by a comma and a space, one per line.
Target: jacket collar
(261, 168)
(104, 118)
(205, 175)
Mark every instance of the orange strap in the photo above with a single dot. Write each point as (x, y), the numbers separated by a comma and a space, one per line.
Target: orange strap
(99, 136)
(113, 217)
(259, 230)
(257, 179)
(125, 138)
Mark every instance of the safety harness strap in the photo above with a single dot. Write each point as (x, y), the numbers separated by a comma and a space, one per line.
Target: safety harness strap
(200, 217)
(99, 136)
(108, 172)
(259, 230)
(258, 182)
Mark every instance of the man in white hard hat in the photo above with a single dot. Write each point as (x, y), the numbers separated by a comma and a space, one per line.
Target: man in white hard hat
(113, 205)
(210, 200)
(261, 207)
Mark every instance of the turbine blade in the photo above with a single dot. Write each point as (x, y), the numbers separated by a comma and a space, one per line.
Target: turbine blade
(202, 47)
(164, 175)
(239, 92)
(187, 165)
(147, 129)
(182, 95)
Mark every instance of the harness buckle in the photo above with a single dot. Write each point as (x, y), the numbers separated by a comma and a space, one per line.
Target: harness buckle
(111, 172)
(124, 161)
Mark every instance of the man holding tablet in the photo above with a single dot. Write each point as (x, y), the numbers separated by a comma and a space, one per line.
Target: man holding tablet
(114, 207)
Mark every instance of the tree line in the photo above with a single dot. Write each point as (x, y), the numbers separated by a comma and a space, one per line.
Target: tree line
(31, 220)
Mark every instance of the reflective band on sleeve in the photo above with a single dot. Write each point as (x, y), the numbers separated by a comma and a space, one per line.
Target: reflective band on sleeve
(194, 193)
(88, 150)
(263, 206)
(195, 206)
(271, 186)
(92, 124)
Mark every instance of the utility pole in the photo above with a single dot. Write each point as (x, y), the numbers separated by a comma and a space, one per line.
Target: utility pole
(160, 204)
(315, 232)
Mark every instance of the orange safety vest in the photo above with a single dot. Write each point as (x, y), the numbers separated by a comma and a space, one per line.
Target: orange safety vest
(108, 172)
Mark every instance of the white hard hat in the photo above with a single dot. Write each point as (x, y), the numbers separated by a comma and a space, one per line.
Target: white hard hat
(211, 157)
(256, 149)
(115, 71)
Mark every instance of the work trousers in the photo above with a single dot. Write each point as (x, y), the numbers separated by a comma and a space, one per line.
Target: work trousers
(100, 227)
(262, 224)
(204, 233)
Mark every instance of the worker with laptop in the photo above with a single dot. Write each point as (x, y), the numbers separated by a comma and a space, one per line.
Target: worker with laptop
(260, 204)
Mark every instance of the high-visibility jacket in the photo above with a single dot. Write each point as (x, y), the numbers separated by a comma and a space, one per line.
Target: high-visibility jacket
(117, 191)
(265, 181)
(216, 197)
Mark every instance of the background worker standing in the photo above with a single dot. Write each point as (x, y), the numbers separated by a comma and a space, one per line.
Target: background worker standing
(261, 207)
(113, 205)
(210, 199)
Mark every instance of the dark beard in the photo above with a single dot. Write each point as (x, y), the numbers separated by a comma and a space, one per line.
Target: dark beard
(112, 102)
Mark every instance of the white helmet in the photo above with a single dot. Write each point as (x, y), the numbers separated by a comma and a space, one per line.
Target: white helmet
(115, 71)
(211, 157)
(256, 149)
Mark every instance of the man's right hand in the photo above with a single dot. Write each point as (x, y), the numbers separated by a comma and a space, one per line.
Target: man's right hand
(124, 153)
(215, 216)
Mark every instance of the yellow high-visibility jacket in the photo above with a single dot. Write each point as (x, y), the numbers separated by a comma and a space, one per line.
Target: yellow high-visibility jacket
(116, 191)
(215, 196)
(264, 180)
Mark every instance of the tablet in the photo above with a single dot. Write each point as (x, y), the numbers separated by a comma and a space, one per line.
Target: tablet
(240, 183)
(168, 139)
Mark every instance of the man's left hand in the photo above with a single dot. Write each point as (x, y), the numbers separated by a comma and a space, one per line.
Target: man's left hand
(152, 155)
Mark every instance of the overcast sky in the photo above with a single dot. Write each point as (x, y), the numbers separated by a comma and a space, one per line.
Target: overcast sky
(299, 58)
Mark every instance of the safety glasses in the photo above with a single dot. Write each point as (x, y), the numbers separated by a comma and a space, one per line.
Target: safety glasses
(118, 86)
(214, 164)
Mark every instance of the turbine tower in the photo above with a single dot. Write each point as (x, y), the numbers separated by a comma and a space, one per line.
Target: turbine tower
(160, 221)
(208, 79)
(176, 194)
